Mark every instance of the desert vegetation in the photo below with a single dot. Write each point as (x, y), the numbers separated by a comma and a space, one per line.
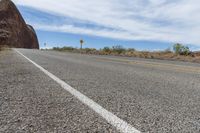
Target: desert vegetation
(177, 52)
(181, 49)
(3, 47)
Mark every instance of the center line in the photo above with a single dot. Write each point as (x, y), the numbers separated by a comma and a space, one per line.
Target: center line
(115, 121)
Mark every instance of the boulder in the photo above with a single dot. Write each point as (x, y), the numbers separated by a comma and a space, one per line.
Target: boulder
(14, 32)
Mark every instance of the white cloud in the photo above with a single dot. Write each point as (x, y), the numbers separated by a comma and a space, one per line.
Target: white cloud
(162, 20)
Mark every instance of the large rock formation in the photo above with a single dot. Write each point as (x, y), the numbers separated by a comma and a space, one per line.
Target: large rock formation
(14, 32)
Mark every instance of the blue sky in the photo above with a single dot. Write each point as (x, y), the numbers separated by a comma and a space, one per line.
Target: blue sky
(140, 24)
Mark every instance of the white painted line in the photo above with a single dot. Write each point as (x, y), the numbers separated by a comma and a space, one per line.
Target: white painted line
(121, 125)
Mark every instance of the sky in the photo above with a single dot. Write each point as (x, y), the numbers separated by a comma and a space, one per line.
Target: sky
(141, 24)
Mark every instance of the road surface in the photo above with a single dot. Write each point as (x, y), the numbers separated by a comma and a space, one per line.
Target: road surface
(148, 95)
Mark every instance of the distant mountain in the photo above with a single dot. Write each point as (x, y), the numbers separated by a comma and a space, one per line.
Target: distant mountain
(14, 32)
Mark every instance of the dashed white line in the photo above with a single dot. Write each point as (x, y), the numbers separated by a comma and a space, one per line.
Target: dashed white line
(121, 125)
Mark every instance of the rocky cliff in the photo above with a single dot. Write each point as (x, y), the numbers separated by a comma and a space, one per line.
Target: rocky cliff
(14, 32)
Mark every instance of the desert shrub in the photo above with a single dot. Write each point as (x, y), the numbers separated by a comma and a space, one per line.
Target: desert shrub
(118, 49)
(186, 51)
(106, 49)
(168, 50)
(131, 50)
(68, 48)
(177, 48)
(64, 48)
(55, 48)
(181, 49)
(89, 50)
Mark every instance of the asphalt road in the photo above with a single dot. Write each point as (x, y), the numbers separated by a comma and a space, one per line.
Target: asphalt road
(151, 95)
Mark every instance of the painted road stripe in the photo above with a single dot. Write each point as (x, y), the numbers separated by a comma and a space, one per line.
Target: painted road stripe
(121, 125)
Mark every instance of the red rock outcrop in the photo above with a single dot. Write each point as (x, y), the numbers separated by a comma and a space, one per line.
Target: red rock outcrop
(14, 32)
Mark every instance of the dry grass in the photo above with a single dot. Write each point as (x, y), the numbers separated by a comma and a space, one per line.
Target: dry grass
(163, 55)
(4, 47)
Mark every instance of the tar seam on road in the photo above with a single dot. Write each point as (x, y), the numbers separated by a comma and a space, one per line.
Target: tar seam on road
(121, 125)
